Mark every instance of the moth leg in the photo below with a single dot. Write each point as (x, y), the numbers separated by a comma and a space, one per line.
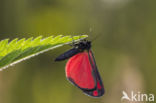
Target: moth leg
(73, 42)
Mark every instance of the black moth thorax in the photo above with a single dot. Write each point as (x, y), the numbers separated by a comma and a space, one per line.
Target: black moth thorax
(83, 45)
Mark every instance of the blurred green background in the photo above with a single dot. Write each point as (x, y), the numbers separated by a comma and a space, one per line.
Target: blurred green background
(124, 45)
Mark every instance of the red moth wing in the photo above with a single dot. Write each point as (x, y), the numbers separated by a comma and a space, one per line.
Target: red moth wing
(99, 90)
(79, 71)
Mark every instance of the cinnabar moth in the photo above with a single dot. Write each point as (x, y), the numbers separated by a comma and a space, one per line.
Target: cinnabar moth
(81, 69)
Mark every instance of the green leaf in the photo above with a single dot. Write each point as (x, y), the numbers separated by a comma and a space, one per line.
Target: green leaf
(18, 50)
